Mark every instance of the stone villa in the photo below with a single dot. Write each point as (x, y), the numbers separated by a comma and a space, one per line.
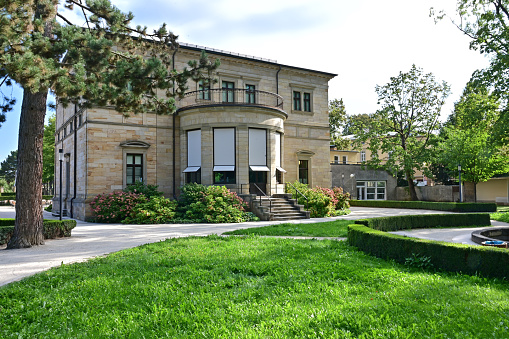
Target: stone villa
(263, 124)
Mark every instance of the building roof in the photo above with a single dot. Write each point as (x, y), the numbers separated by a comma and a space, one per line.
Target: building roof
(192, 47)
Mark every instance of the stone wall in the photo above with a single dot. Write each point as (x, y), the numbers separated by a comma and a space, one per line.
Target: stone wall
(445, 193)
(346, 176)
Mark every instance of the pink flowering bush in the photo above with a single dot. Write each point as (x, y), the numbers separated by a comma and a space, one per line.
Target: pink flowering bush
(321, 201)
(115, 206)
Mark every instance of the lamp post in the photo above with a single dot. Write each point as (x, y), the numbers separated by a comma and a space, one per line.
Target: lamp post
(459, 179)
(60, 159)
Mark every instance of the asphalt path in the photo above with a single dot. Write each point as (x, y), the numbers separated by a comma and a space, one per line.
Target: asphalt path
(91, 240)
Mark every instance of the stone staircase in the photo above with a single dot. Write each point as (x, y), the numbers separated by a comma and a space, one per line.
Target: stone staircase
(278, 207)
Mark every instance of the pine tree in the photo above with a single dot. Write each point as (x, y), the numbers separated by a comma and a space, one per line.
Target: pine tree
(108, 62)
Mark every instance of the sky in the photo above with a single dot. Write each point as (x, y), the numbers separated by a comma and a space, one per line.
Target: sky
(364, 42)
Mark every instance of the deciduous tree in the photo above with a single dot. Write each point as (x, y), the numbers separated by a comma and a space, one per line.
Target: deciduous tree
(404, 125)
(107, 62)
(337, 118)
(471, 141)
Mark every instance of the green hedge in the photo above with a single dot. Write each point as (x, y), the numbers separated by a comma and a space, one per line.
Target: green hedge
(403, 222)
(428, 205)
(12, 196)
(51, 229)
(486, 261)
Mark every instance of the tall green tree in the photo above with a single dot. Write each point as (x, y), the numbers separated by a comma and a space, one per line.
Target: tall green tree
(337, 119)
(357, 123)
(9, 166)
(404, 126)
(48, 151)
(486, 22)
(109, 62)
(471, 141)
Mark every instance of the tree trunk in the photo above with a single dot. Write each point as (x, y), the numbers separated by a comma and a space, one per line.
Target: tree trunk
(28, 229)
(411, 187)
(475, 192)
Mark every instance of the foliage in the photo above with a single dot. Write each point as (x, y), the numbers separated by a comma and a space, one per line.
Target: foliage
(336, 228)
(337, 119)
(212, 204)
(504, 217)
(251, 287)
(116, 206)
(49, 208)
(453, 257)
(48, 150)
(8, 167)
(154, 210)
(404, 125)
(419, 261)
(358, 123)
(472, 140)
(148, 191)
(7, 186)
(428, 205)
(320, 201)
(403, 222)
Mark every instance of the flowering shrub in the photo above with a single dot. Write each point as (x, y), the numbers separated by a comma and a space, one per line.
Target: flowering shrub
(321, 201)
(115, 206)
(214, 204)
(156, 210)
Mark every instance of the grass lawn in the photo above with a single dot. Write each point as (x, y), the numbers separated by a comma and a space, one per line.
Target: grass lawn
(502, 208)
(337, 228)
(251, 287)
(502, 216)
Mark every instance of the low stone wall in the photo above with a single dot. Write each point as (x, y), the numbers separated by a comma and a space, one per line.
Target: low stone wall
(444, 193)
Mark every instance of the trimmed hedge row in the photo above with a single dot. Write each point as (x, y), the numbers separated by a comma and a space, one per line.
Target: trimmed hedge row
(403, 222)
(486, 261)
(428, 205)
(12, 196)
(51, 229)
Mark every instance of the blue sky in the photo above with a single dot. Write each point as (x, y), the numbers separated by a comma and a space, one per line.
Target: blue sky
(365, 42)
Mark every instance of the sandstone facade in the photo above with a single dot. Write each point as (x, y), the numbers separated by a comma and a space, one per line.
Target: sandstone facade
(98, 143)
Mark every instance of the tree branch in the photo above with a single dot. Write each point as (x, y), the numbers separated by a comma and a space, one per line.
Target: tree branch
(65, 19)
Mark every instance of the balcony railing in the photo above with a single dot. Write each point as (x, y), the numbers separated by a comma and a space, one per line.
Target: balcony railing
(233, 97)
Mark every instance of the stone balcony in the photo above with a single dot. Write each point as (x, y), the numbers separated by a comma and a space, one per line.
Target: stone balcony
(221, 97)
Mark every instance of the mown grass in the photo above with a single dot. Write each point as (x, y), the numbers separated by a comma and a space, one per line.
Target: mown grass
(337, 228)
(502, 208)
(251, 287)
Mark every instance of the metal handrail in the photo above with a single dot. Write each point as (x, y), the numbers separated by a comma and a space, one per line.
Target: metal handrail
(231, 96)
(297, 191)
(265, 195)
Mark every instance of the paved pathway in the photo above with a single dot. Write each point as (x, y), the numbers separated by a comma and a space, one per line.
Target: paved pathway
(91, 240)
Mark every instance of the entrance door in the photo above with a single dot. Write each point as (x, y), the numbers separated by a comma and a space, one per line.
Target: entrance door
(361, 193)
(258, 178)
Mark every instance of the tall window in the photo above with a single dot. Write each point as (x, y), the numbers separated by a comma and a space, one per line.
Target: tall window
(345, 159)
(134, 168)
(250, 94)
(304, 171)
(193, 170)
(228, 91)
(204, 89)
(336, 159)
(307, 102)
(296, 101)
(363, 156)
(224, 156)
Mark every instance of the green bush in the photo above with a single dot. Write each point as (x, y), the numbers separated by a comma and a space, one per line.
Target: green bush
(147, 190)
(51, 229)
(504, 217)
(156, 210)
(428, 205)
(211, 204)
(12, 196)
(403, 222)
(486, 261)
